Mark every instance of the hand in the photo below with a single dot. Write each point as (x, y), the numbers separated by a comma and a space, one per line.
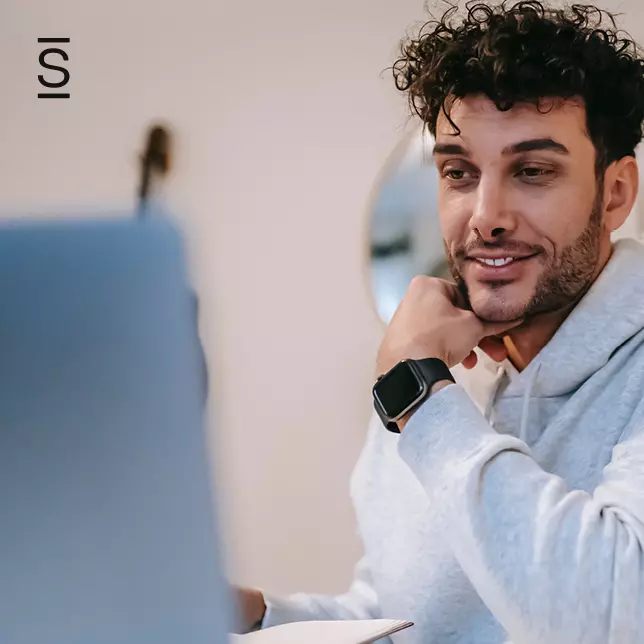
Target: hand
(429, 323)
(250, 606)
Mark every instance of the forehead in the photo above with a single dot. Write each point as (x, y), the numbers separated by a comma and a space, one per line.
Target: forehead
(483, 127)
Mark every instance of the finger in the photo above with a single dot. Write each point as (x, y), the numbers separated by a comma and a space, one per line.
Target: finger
(470, 361)
(494, 347)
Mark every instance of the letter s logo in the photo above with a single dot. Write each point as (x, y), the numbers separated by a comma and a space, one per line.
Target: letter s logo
(46, 65)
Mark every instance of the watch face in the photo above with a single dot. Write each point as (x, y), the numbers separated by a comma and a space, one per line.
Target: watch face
(398, 389)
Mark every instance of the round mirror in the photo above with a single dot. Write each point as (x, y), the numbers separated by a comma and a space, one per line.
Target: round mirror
(406, 239)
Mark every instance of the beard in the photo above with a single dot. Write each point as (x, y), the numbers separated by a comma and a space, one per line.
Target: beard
(562, 282)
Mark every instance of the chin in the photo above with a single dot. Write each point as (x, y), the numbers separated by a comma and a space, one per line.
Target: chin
(498, 306)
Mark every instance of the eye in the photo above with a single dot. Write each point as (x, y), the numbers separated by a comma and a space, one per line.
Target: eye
(456, 174)
(535, 172)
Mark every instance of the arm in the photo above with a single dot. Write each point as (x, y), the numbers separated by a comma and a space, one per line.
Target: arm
(554, 565)
(360, 602)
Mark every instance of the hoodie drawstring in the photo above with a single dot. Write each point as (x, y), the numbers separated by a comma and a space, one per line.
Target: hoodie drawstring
(525, 411)
(487, 412)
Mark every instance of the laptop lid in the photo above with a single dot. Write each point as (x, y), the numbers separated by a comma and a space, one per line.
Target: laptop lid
(108, 533)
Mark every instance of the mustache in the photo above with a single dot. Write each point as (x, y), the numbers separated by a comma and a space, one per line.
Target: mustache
(509, 246)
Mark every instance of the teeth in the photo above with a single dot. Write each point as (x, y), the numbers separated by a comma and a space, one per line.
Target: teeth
(496, 262)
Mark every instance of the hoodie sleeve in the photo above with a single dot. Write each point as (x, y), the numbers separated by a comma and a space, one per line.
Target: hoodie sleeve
(554, 565)
(360, 602)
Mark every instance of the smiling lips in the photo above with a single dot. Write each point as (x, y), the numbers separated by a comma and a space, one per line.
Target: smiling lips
(499, 261)
(495, 262)
(508, 267)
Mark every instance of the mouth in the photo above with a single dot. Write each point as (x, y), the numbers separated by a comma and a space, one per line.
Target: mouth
(500, 261)
(491, 269)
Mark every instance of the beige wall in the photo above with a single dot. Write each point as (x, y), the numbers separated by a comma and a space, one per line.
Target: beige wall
(283, 120)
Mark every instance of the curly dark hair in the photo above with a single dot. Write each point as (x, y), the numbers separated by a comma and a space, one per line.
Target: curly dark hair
(528, 52)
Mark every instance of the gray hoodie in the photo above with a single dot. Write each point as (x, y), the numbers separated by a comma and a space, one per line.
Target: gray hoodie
(511, 509)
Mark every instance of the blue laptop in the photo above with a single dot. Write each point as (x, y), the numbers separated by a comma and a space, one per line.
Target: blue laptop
(108, 530)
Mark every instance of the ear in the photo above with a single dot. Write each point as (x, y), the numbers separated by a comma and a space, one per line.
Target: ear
(621, 183)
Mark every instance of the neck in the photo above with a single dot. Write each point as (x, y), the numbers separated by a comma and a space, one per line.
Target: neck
(526, 341)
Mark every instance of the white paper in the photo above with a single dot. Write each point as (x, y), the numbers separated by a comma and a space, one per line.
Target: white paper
(362, 631)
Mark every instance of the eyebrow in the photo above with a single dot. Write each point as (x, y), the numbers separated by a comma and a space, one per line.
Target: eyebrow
(530, 145)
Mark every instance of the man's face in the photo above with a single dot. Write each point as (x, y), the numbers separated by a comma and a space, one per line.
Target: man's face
(520, 207)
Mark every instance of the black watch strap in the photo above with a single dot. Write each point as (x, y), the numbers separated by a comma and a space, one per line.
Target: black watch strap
(433, 370)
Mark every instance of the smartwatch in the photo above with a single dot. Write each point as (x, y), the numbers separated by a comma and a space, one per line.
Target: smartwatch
(406, 387)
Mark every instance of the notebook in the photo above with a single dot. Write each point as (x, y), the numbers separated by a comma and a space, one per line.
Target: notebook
(362, 631)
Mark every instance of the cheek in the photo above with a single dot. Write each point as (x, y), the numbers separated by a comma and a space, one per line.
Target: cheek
(453, 216)
(555, 221)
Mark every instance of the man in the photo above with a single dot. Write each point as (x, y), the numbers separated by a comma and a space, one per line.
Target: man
(511, 506)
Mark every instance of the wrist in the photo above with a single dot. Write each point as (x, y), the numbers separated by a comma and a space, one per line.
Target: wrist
(250, 608)
(437, 386)
(258, 610)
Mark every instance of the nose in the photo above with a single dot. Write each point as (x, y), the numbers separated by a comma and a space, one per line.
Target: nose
(491, 218)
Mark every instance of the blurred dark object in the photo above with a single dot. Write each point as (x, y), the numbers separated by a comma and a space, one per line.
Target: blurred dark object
(155, 163)
(397, 246)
